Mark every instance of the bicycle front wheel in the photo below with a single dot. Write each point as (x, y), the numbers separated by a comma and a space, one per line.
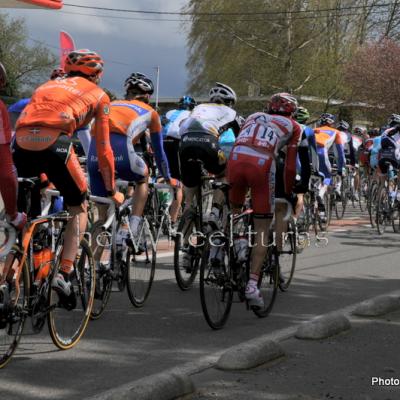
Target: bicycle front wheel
(141, 266)
(13, 314)
(216, 291)
(102, 255)
(67, 325)
(268, 283)
(287, 257)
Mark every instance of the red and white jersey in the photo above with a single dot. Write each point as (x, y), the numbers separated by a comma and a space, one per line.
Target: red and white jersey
(269, 132)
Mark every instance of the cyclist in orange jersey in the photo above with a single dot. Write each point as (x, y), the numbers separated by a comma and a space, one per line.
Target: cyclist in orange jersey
(43, 145)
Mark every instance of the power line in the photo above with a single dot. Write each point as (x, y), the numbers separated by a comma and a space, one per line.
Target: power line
(219, 20)
(189, 13)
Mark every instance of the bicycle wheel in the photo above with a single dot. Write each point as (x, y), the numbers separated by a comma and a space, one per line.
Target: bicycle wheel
(323, 226)
(287, 257)
(216, 291)
(185, 246)
(102, 256)
(268, 283)
(141, 265)
(341, 204)
(382, 210)
(372, 202)
(67, 326)
(13, 314)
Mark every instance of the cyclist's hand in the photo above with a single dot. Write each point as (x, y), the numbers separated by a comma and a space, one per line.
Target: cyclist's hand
(118, 198)
(174, 183)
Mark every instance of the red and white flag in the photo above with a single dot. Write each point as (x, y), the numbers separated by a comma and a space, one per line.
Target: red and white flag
(66, 45)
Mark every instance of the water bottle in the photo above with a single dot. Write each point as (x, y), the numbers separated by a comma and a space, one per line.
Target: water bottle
(241, 248)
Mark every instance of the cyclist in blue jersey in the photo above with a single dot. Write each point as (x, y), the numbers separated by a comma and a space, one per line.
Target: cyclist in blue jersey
(172, 139)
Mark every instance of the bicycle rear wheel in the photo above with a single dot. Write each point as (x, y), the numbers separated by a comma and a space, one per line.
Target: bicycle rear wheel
(268, 283)
(382, 210)
(101, 249)
(186, 246)
(216, 291)
(141, 266)
(67, 326)
(287, 258)
(13, 316)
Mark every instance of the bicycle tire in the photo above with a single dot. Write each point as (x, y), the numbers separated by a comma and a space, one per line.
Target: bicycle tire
(12, 325)
(186, 276)
(340, 205)
(287, 258)
(372, 203)
(382, 210)
(104, 280)
(141, 267)
(58, 318)
(215, 290)
(268, 283)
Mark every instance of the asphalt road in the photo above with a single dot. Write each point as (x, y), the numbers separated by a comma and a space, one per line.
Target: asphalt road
(127, 343)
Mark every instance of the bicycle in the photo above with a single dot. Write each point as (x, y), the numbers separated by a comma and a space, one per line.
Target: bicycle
(25, 286)
(191, 227)
(311, 215)
(130, 262)
(388, 207)
(217, 286)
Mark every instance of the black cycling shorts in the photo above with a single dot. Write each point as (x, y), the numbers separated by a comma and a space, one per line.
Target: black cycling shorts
(171, 148)
(60, 164)
(203, 147)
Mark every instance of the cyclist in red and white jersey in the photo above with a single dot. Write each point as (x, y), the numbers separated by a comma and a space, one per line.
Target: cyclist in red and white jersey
(252, 165)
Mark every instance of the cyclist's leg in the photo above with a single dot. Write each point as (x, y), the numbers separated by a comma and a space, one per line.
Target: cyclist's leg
(171, 148)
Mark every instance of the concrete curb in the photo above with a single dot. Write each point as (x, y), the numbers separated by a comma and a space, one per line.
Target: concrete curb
(163, 386)
(323, 327)
(249, 355)
(377, 306)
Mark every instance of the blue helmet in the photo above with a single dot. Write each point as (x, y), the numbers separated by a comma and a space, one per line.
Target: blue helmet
(187, 103)
(326, 119)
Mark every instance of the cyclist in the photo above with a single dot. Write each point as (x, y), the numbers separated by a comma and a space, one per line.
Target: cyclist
(173, 119)
(43, 145)
(8, 176)
(307, 159)
(326, 135)
(199, 141)
(375, 135)
(390, 147)
(129, 119)
(252, 165)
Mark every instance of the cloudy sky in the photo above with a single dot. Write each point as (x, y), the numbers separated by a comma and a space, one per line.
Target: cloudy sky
(127, 45)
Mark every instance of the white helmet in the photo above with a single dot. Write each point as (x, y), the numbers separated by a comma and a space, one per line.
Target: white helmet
(222, 93)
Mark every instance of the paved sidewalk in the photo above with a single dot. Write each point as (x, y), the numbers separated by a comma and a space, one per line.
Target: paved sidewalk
(341, 367)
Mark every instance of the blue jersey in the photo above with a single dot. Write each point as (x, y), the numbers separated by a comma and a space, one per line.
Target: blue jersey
(376, 147)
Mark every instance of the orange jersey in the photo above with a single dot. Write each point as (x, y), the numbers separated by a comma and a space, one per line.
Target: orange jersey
(325, 136)
(62, 106)
(132, 118)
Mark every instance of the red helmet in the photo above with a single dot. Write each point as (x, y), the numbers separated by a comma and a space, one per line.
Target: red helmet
(57, 73)
(3, 76)
(283, 103)
(85, 61)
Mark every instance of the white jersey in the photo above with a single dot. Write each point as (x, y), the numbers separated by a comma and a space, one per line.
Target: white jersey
(175, 118)
(209, 118)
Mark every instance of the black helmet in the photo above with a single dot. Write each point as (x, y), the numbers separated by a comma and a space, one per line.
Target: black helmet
(394, 120)
(187, 103)
(326, 119)
(139, 83)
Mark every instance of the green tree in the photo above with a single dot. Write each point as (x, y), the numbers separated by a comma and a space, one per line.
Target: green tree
(27, 66)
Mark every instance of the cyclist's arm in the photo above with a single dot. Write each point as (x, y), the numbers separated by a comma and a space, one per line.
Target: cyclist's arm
(340, 153)
(157, 145)
(313, 149)
(103, 146)
(291, 155)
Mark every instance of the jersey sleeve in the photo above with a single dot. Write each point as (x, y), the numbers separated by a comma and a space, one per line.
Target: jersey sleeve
(291, 155)
(157, 144)
(103, 146)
